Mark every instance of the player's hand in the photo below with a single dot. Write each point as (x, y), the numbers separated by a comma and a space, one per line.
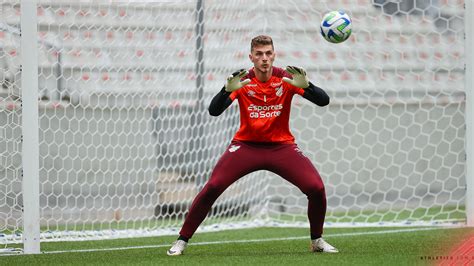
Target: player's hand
(234, 81)
(299, 80)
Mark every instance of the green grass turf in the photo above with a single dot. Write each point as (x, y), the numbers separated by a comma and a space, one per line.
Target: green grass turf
(405, 248)
(436, 213)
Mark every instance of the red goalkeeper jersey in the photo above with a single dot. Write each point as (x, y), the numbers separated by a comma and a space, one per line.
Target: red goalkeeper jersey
(265, 109)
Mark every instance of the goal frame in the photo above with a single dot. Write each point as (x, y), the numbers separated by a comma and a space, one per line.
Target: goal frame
(30, 127)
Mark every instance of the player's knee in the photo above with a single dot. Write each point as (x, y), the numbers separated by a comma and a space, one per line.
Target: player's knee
(316, 191)
(212, 189)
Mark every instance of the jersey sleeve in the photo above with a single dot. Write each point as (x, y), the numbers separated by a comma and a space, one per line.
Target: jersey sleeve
(292, 89)
(296, 90)
(234, 95)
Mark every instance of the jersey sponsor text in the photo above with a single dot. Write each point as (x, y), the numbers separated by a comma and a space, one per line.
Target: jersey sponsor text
(264, 111)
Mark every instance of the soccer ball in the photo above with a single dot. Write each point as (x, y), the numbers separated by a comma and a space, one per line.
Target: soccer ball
(336, 26)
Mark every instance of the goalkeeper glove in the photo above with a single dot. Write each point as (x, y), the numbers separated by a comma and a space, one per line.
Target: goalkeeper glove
(299, 80)
(233, 81)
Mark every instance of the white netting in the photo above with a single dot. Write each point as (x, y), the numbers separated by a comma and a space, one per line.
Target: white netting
(10, 127)
(126, 141)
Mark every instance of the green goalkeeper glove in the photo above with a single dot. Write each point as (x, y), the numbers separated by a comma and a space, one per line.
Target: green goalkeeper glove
(233, 81)
(299, 80)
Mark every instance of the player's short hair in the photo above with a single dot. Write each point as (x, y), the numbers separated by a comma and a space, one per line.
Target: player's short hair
(261, 40)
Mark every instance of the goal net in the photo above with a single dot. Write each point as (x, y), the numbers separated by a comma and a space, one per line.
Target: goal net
(125, 140)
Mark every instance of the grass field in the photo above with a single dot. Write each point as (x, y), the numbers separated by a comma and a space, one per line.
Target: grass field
(261, 246)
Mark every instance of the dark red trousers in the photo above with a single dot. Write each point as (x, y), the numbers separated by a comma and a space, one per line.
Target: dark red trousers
(242, 158)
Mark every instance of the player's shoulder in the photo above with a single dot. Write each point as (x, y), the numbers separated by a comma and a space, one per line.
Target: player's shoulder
(280, 72)
(251, 74)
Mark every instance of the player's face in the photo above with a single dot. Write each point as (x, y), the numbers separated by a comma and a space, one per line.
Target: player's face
(262, 58)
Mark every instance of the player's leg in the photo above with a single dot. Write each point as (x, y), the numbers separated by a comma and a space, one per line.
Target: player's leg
(290, 163)
(238, 160)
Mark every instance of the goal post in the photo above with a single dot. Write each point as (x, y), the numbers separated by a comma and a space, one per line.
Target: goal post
(469, 79)
(30, 129)
(124, 142)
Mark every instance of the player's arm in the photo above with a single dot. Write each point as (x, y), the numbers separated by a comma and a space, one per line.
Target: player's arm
(311, 92)
(316, 95)
(222, 100)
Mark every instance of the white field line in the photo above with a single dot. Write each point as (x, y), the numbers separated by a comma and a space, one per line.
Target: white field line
(395, 231)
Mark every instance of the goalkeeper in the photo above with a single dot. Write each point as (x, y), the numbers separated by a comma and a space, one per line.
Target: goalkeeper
(264, 140)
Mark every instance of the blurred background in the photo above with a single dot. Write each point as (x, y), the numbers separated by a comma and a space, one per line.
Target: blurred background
(126, 141)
